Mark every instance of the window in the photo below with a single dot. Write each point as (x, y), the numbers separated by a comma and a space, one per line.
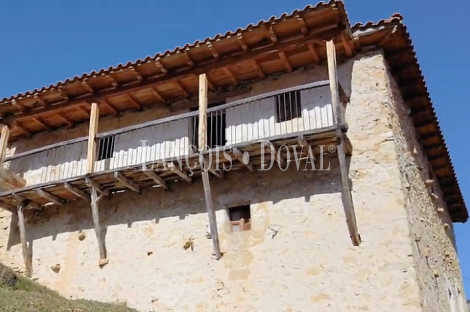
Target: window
(105, 148)
(215, 129)
(240, 218)
(288, 106)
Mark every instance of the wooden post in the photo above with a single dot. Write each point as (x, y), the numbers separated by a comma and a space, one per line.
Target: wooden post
(3, 143)
(204, 169)
(343, 160)
(91, 154)
(21, 204)
(96, 221)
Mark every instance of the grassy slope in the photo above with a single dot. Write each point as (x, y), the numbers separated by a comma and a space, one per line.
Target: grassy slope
(18, 294)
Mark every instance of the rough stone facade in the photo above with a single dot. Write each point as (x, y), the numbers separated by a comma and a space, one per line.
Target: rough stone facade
(407, 260)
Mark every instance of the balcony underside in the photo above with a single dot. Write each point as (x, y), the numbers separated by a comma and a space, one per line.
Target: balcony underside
(183, 170)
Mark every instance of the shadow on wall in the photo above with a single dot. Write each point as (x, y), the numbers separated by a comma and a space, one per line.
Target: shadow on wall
(185, 200)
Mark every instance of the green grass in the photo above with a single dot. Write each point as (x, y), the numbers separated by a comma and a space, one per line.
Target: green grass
(19, 294)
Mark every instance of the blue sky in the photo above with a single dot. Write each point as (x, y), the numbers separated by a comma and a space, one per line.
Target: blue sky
(45, 41)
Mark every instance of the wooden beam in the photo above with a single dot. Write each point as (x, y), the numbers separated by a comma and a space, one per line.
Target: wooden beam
(244, 160)
(229, 74)
(314, 53)
(205, 174)
(284, 59)
(180, 86)
(93, 129)
(255, 53)
(29, 203)
(97, 224)
(133, 102)
(4, 143)
(50, 197)
(275, 154)
(212, 168)
(106, 103)
(77, 192)
(127, 182)
(258, 69)
(69, 121)
(9, 180)
(154, 176)
(40, 121)
(99, 188)
(173, 168)
(347, 48)
(303, 25)
(21, 206)
(343, 161)
(157, 95)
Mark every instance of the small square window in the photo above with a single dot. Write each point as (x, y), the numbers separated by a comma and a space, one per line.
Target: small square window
(240, 218)
(288, 106)
(105, 148)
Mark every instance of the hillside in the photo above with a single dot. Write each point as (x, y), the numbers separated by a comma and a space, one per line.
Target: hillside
(18, 294)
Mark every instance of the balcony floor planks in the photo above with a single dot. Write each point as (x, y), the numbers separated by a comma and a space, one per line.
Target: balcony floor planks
(134, 173)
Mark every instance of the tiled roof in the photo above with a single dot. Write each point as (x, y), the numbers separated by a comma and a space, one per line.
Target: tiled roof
(389, 34)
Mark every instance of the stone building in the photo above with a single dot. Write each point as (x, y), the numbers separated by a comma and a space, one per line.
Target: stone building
(317, 180)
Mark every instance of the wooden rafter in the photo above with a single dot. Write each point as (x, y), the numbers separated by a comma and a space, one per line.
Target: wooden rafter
(214, 52)
(313, 53)
(180, 86)
(303, 26)
(106, 103)
(161, 67)
(188, 58)
(258, 69)
(83, 109)
(51, 198)
(67, 120)
(38, 99)
(40, 121)
(133, 101)
(179, 172)
(229, 74)
(113, 81)
(99, 188)
(275, 154)
(18, 105)
(246, 161)
(286, 62)
(28, 203)
(272, 34)
(87, 86)
(210, 85)
(17, 124)
(155, 177)
(136, 74)
(157, 95)
(242, 42)
(63, 93)
(77, 192)
(127, 182)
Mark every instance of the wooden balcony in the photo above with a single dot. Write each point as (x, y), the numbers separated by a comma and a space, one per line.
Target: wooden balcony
(164, 152)
(245, 134)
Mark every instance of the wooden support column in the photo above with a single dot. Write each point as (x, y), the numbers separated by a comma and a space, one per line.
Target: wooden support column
(205, 173)
(91, 154)
(3, 143)
(340, 133)
(8, 180)
(96, 221)
(21, 205)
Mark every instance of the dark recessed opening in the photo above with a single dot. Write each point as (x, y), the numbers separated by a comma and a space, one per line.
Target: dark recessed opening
(105, 148)
(288, 106)
(240, 218)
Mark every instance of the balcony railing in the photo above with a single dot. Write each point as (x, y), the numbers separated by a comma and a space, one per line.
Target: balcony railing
(287, 112)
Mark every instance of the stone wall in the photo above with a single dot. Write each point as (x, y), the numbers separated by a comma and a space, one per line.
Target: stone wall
(434, 248)
(309, 265)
